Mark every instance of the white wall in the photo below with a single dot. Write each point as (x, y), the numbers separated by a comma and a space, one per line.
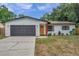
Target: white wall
(58, 28)
(24, 21)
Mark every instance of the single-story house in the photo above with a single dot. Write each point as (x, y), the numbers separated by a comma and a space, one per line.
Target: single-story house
(29, 26)
(25, 26)
(60, 27)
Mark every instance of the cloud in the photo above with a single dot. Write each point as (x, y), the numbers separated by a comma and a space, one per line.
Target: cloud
(32, 9)
(7, 5)
(18, 7)
(24, 5)
(41, 7)
(44, 7)
(10, 9)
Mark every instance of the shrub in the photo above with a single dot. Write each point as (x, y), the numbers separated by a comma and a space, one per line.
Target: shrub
(62, 34)
(67, 34)
(59, 33)
(73, 32)
(49, 34)
(54, 34)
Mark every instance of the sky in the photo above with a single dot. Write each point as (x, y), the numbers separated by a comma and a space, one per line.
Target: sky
(36, 10)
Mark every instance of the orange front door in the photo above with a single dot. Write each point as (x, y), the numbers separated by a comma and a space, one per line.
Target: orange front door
(41, 30)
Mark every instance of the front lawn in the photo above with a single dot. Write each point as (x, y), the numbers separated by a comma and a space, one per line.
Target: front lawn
(57, 46)
(2, 36)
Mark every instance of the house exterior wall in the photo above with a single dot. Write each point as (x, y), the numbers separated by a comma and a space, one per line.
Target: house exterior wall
(24, 21)
(58, 28)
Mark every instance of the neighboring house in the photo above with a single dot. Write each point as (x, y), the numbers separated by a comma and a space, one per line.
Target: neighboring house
(29, 26)
(25, 26)
(60, 27)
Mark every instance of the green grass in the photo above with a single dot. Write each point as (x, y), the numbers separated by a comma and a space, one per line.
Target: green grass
(2, 36)
(57, 45)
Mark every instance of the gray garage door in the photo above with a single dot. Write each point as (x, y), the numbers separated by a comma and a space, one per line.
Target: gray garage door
(22, 30)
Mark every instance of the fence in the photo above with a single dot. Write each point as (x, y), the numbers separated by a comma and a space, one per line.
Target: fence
(2, 31)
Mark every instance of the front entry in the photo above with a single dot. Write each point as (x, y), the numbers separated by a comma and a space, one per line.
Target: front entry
(42, 30)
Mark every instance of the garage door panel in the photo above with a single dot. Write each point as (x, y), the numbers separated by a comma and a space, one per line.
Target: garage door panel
(22, 30)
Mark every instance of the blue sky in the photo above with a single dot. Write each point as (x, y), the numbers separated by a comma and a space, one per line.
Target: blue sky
(36, 10)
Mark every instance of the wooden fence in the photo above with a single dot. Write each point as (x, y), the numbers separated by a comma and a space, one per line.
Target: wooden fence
(2, 31)
(77, 30)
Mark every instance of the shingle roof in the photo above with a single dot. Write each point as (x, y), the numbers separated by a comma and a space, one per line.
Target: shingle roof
(51, 22)
(27, 17)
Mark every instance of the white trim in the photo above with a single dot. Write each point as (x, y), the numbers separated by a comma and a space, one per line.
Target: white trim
(44, 28)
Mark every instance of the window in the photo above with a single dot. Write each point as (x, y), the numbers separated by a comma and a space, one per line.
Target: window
(50, 28)
(65, 27)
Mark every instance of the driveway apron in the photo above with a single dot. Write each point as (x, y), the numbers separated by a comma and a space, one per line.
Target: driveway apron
(17, 46)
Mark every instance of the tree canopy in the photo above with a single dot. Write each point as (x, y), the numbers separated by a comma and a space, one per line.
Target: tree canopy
(5, 14)
(64, 12)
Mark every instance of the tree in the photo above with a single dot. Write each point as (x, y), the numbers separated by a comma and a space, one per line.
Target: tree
(45, 17)
(65, 12)
(76, 9)
(21, 15)
(5, 14)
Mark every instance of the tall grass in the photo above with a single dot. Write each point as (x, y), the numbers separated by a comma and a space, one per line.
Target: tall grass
(58, 45)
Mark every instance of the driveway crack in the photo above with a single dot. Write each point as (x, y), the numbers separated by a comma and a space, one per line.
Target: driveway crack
(13, 45)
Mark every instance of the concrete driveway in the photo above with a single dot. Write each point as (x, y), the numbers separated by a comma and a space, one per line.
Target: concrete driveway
(17, 46)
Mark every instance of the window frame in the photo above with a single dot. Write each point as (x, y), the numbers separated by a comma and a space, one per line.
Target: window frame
(65, 27)
(51, 29)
